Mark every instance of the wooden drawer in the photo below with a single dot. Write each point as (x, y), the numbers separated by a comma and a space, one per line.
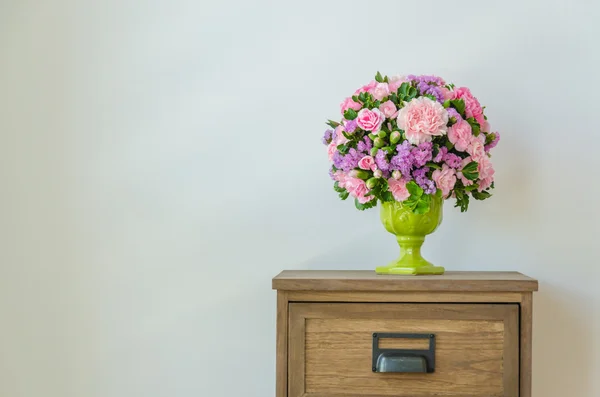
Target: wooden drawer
(331, 349)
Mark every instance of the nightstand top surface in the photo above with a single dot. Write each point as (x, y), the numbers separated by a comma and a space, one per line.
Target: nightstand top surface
(368, 280)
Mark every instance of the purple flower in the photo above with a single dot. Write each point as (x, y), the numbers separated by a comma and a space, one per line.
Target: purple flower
(431, 85)
(346, 162)
(422, 154)
(440, 156)
(420, 175)
(454, 113)
(365, 146)
(350, 126)
(327, 137)
(453, 160)
(381, 161)
(493, 143)
(404, 160)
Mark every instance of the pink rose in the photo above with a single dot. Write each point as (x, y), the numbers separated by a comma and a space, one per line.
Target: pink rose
(370, 120)
(422, 119)
(444, 179)
(395, 82)
(357, 188)
(472, 105)
(349, 104)
(366, 88)
(465, 181)
(476, 148)
(388, 109)
(460, 135)
(331, 149)
(380, 91)
(486, 173)
(340, 139)
(367, 163)
(398, 189)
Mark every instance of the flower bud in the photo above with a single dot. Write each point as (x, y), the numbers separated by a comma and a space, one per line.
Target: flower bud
(377, 173)
(372, 182)
(382, 134)
(395, 136)
(396, 175)
(362, 174)
(372, 136)
(378, 142)
(374, 151)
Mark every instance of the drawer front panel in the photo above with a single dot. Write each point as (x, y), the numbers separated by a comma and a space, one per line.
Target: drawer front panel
(331, 349)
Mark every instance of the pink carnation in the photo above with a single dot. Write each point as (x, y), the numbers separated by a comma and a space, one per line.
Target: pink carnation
(357, 188)
(460, 135)
(380, 91)
(444, 179)
(472, 105)
(340, 139)
(486, 173)
(340, 177)
(388, 109)
(331, 149)
(366, 88)
(395, 82)
(398, 189)
(422, 119)
(370, 120)
(476, 148)
(367, 163)
(349, 104)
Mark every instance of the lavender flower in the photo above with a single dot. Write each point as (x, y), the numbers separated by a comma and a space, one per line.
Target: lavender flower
(493, 144)
(431, 85)
(350, 126)
(422, 154)
(404, 160)
(346, 162)
(425, 183)
(381, 161)
(364, 146)
(440, 156)
(327, 137)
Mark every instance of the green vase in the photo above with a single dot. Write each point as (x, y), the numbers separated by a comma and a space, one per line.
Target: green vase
(410, 230)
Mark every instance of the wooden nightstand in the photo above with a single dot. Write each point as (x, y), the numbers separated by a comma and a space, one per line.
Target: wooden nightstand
(355, 333)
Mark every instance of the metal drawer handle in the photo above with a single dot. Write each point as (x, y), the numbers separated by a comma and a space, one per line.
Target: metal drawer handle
(403, 360)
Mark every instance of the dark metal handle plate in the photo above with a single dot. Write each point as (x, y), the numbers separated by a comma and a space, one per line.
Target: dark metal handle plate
(403, 360)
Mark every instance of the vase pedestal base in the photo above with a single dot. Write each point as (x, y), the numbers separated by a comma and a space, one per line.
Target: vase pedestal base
(412, 271)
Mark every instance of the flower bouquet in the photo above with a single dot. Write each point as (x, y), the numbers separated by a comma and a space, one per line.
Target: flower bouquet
(410, 143)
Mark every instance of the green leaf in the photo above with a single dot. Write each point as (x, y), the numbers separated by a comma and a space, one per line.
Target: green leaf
(332, 123)
(344, 195)
(350, 114)
(480, 195)
(403, 90)
(343, 149)
(365, 206)
(379, 77)
(433, 165)
(394, 98)
(337, 188)
(433, 98)
(412, 92)
(362, 97)
(423, 205)
(459, 105)
(449, 145)
(446, 104)
(471, 187)
(385, 79)
(462, 200)
(414, 189)
(387, 196)
(470, 172)
(489, 138)
(474, 125)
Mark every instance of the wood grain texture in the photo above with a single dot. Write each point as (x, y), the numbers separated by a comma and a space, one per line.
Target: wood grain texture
(511, 355)
(336, 342)
(526, 344)
(406, 297)
(281, 377)
(365, 280)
